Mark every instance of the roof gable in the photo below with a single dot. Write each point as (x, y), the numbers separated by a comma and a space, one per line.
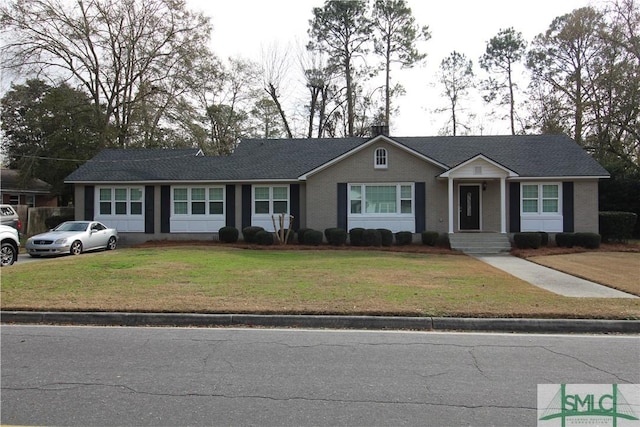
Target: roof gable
(479, 166)
(370, 142)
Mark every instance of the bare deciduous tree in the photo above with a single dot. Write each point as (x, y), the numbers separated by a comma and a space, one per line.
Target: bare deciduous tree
(127, 54)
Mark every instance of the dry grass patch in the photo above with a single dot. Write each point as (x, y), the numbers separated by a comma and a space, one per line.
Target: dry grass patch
(619, 270)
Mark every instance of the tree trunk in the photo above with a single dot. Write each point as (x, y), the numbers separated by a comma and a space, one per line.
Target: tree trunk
(387, 94)
(511, 101)
(350, 112)
(312, 109)
(274, 95)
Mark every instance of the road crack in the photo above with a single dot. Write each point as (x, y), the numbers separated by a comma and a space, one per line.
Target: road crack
(55, 387)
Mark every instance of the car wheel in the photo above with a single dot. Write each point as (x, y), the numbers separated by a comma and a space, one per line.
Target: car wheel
(76, 248)
(111, 245)
(8, 254)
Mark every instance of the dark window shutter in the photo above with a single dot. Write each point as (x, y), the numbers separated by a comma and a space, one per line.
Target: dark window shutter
(246, 206)
(149, 220)
(567, 207)
(514, 207)
(342, 205)
(165, 209)
(89, 202)
(420, 198)
(230, 205)
(294, 193)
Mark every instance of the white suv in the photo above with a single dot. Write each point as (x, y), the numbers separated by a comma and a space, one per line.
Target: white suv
(10, 245)
(9, 216)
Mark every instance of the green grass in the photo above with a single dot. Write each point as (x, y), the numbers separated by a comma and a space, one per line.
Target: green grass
(225, 280)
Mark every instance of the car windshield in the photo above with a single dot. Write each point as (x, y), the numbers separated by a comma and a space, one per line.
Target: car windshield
(72, 226)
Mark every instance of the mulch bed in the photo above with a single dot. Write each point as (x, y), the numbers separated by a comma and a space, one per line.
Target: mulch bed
(412, 248)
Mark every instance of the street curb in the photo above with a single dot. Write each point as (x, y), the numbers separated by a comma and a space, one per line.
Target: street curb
(323, 322)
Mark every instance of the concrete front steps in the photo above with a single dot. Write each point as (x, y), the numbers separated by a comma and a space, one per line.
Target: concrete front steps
(480, 243)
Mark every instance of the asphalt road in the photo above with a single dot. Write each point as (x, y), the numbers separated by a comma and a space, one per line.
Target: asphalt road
(179, 376)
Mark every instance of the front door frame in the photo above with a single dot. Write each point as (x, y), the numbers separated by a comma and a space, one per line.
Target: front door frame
(477, 205)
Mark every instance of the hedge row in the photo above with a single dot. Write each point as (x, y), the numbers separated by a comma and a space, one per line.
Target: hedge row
(334, 236)
(534, 240)
(584, 240)
(617, 226)
(531, 239)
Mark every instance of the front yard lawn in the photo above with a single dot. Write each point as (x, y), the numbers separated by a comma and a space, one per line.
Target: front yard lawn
(217, 279)
(619, 270)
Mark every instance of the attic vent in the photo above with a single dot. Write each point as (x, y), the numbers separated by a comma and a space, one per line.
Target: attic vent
(477, 170)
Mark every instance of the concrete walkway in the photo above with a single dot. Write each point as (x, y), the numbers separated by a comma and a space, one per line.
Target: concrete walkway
(550, 279)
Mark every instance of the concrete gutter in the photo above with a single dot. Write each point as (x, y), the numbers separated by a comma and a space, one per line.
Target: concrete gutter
(324, 322)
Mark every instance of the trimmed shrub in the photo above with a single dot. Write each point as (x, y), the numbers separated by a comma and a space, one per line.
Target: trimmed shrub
(228, 234)
(544, 238)
(355, 236)
(587, 240)
(404, 238)
(430, 238)
(335, 236)
(443, 241)
(386, 237)
(565, 240)
(527, 240)
(249, 233)
(371, 237)
(313, 237)
(301, 233)
(264, 238)
(617, 226)
(55, 220)
(290, 239)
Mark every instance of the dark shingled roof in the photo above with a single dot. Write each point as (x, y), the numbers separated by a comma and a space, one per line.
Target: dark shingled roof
(288, 159)
(10, 181)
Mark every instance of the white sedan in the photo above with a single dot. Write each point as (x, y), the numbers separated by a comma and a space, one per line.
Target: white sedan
(72, 237)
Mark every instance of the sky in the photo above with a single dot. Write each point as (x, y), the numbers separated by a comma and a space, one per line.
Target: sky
(245, 28)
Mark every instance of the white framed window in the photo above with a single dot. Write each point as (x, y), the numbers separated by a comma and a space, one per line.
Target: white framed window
(380, 158)
(197, 209)
(541, 206)
(121, 207)
(372, 199)
(270, 200)
(540, 199)
(197, 201)
(390, 206)
(120, 201)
